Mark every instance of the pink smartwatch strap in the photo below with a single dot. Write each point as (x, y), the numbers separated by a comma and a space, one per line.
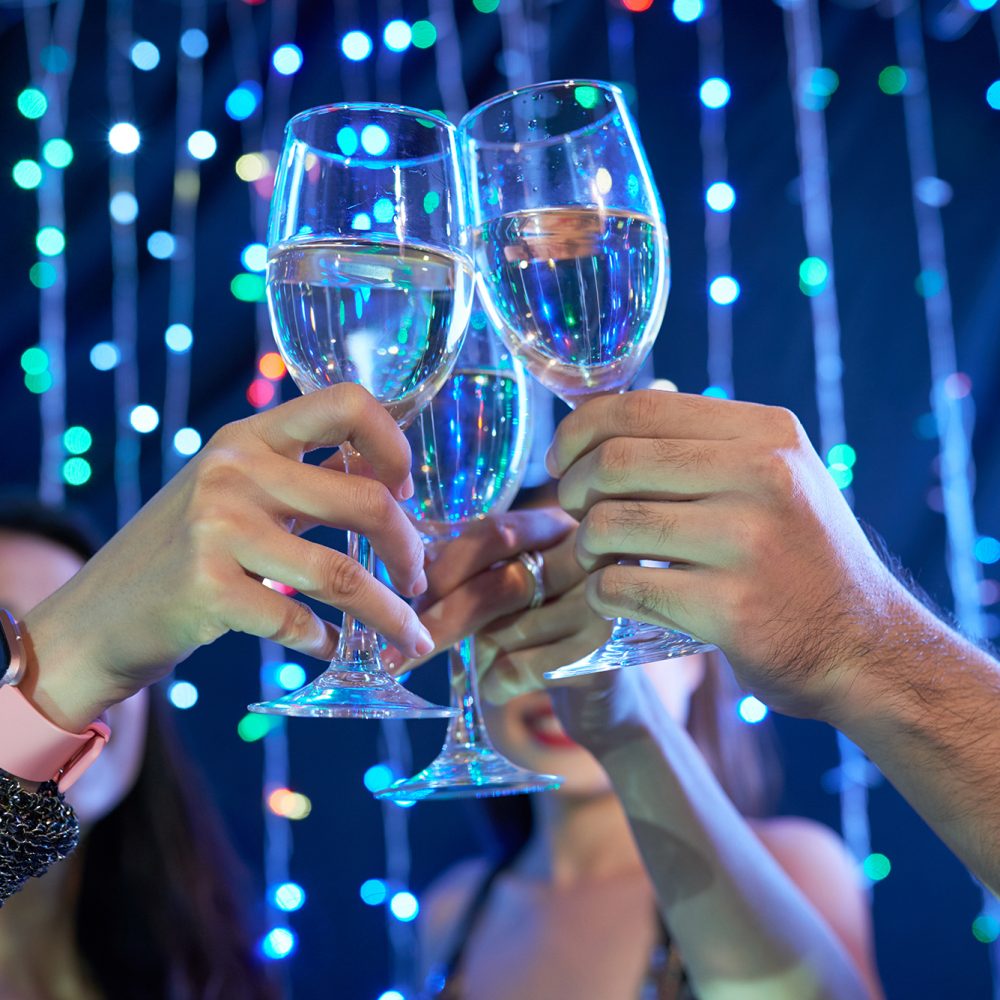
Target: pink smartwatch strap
(35, 749)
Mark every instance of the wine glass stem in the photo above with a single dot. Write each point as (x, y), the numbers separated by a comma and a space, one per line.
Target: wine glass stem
(467, 726)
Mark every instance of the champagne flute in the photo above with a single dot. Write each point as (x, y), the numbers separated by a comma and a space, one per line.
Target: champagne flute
(573, 263)
(369, 280)
(470, 449)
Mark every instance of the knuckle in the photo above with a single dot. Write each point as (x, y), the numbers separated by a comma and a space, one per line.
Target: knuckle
(218, 468)
(294, 622)
(786, 430)
(374, 501)
(638, 411)
(607, 586)
(680, 454)
(613, 460)
(512, 589)
(775, 472)
(345, 578)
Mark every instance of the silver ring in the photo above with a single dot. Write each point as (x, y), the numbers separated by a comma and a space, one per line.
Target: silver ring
(534, 563)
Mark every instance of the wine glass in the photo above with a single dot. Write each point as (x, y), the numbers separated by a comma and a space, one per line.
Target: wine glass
(470, 449)
(572, 263)
(369, 280)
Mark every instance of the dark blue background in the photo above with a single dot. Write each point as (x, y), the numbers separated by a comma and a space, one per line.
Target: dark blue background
(923, 911)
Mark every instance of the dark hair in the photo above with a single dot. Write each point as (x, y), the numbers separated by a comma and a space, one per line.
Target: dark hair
(157, 914)
(743, 758)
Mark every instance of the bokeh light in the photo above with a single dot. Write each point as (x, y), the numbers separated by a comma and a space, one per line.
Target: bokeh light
(187, 441)
(404, 906)
(813, 275)
(253, 727)
(178, 338)
(260, 392)
(356, 45)
(194, 43)
(124, 138)
(291, 805)
(242, 101)
(720, 196)
(123, 207)
(77, 440)
(271, 366)
(34, 361)
(252, 167)
(637, 6)
(288, 896)
(290, 676)
(374, 140)
(254, 257)
(986, 928)
(144, 418)
(724, 290)
(144, 55)
(42, 274)
(182, 694)
(397, 35)
(38, 383)
(378, 776)
(27, 174)
(278, 943)
(248, 287)
(104, 356)
(373, 892)
(161, 245)
(287, 59)
(892, 80)
(201, 144)
(993, 95)
(76, 471)
(752, 709)
(32, 103)
(57, 153)
(714, 92)
(50, 241)
(876, 867)
(987, 550)
(688, 10)
(486, 6)
(423, 34)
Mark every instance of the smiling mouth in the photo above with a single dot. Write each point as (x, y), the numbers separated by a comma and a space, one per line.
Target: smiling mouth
(545, 729)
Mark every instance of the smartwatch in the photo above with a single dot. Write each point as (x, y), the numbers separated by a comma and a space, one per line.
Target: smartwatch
(32, 747)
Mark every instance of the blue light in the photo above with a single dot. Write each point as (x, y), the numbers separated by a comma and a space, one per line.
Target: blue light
(383, 210)
(254, 257)
(194, 43)
(356, 45)
(182, 694)
(987, 549)
(752, 710)
(720, 196)
(104, 356)
(715, 392)
(374, 140)
(724, 290)
(347, 141)
(287, 59)
(374, 892)
(404, 906)
(278, 943)
(397, 35)
(362, 222)
(378, 776)
(144, 418)
(392, 995)
(714, 92)
(289, 896)
(123, 207)
(145, 55)
(993, 95)
(291, 676)
(982, 4)
(187, 441)
(688, 10)
(178, 338)
(161, 245)
(243, 100)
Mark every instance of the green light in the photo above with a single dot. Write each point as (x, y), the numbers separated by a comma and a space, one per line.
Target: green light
(843, 455)
(587, 97)
(842, 476)
(34, 361)
(32, 103)
(76, 471)
(985, 928)
(384, 210)
(876, 867)
(27, 174)
(77, 440)
(248, 287)
(50, 241)
(423, 34)
(255, 727)
(486, 6)
(431, 201)
(929, 283)
(42, 274)
(892, 80)
(38, 382)
(478, 321)
(58, 153)
(813, 272)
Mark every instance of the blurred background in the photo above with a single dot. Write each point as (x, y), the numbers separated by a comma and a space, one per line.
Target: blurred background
(818, 248)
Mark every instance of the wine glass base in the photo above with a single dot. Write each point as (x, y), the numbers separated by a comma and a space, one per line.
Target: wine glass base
(631, 644)
(352, 694)
(468, 771)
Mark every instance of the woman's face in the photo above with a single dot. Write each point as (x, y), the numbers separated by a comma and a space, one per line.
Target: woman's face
(32, 568)
(527, 730)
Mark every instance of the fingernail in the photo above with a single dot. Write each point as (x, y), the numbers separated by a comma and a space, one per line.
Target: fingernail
(420, 586)
(424, 643)
(551, 465)
(406, 490)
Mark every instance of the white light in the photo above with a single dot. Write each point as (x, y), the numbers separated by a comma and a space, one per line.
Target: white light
(194, 43)
(392, 995)
(404, 906)
(752, 710)
(714, 92)
(201, 144)
(374, 140)
(287, 59)
(254, 257)
(289, 896)
(104, 356)
(720, 196)
(688, 10)
(144, 418)
(124, 138)
(145, 55)
(161, 245)
(602, 180)
(397, 35)
(178, 338)
(123, 207)
(291, 676)
(724, 290)
(182, 694)
(187, 441)
(356, 45)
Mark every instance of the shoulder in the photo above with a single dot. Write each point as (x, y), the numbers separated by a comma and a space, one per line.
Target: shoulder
(445, 903)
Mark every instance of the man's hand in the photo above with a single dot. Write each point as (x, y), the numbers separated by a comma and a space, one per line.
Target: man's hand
(767, 560)
(189, 567)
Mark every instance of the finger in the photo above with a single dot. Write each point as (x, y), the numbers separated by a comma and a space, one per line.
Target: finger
(333, 578)
(697, 531)
(493, 540)
(653, 469)
(319, 495)
(332, 416)
(650, 413)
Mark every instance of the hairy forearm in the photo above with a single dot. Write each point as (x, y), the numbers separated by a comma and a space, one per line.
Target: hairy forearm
(926, 708)
(743, 928)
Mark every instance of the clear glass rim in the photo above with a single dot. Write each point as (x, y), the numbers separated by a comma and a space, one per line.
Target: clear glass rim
(475, 113)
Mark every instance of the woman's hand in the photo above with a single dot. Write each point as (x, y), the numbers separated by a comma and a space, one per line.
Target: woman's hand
(190, 566)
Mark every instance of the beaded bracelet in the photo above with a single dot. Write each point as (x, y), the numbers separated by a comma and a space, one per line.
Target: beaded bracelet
(36, 830)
